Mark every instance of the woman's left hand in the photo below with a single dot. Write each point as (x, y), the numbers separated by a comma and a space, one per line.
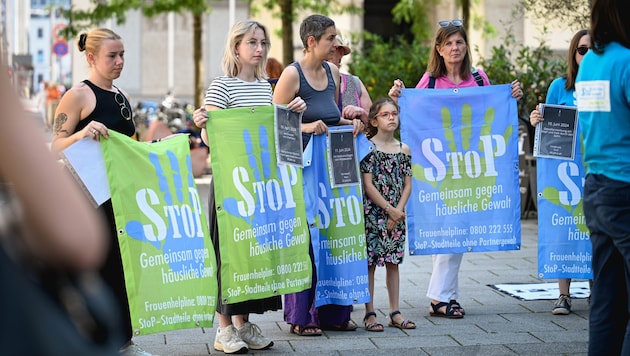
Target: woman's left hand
(357, 126)
(517, 92)
(297, 105)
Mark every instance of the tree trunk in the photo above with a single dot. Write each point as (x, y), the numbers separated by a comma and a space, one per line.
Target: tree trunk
(198, 59)
(286, 11)
(466, 14)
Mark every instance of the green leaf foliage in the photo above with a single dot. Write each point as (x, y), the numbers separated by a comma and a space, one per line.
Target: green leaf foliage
(380, 62)
(535, 67)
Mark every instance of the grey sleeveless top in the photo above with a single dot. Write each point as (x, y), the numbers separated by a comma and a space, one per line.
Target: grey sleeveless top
(351, 94)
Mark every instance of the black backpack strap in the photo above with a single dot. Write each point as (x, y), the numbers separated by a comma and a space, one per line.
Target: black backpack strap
(477, 77)
(431, 82)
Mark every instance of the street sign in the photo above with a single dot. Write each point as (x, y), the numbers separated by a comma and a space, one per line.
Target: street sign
(60, 48)
(55, 32)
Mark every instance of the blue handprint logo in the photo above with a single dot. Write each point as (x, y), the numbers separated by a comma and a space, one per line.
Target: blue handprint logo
(265, 199)
(176, 224)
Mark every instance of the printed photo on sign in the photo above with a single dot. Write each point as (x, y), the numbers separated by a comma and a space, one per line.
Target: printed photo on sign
(344, 168)
(556, 136)
(288, 128)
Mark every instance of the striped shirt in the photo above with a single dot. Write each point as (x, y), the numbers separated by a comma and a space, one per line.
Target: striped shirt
(230, 92)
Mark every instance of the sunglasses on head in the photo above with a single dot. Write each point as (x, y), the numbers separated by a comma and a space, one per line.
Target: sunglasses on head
(582, 50)
(446, 23)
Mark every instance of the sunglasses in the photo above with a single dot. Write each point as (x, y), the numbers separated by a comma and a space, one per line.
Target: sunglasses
(124, 110)
(446, 23)
(582, 50)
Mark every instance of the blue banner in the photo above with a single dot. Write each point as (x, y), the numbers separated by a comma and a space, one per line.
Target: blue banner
(564, 245)
(337, 228)
(464, 155)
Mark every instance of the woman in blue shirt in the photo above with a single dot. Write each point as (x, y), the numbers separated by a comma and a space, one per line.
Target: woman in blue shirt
(562, 92)
(603, 92)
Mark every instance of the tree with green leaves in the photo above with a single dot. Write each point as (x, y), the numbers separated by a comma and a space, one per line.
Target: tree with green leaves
(574, 13)
(100, 11)
(288, 11)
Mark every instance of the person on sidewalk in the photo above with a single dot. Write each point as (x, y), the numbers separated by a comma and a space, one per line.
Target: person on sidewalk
(317, 82)
(89, 110)
(603, 102)
(562, 92)
(352, 93)
(450, 66)
(386, 174)
(244, 84)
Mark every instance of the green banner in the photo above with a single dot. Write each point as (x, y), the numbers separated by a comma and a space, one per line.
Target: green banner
(167, 253)
(260, 208)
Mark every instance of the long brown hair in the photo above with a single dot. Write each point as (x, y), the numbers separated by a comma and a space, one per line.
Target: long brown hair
(573, 66)
(436, 66)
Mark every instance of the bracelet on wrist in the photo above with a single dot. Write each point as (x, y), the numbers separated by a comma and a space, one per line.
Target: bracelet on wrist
(387, 207)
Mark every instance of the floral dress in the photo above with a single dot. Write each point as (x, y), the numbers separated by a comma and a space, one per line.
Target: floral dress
(388, 176)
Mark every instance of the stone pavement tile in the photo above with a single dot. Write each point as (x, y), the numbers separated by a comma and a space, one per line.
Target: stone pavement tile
(388, 352)
(520, 323)
(481, 350)
(412, 342)
(324, 345)
(474, 337)
(556, 348)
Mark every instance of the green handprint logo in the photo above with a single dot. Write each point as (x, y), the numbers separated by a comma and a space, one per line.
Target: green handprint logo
(568, 192)
(448, 170)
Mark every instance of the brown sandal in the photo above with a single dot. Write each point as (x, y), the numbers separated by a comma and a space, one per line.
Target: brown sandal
(405, 324)
(375, 326)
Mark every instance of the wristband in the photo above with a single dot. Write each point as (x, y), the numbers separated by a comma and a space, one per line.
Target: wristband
(387, 207)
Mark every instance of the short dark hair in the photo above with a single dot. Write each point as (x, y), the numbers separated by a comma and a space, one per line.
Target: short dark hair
(314, 25)
(608, 23)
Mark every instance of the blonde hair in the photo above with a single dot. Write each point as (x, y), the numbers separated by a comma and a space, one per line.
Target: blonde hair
(231, 64)
(91, 42)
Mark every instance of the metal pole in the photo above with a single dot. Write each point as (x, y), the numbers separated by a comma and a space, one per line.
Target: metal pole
(171, 51)
(232, 12)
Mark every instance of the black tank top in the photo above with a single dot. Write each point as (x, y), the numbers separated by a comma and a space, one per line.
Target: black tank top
(107, 111)
(320, 104)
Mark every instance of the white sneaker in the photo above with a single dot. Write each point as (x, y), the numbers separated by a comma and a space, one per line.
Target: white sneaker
(134, 350)
(228, 341)
(250, 333)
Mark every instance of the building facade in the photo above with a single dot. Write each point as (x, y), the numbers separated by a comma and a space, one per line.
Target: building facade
(159, 50)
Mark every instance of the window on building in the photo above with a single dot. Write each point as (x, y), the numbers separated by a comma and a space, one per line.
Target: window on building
(40, 32)
(40, 56)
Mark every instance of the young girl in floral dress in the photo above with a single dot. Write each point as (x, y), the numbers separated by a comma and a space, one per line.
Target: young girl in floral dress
(387, 186)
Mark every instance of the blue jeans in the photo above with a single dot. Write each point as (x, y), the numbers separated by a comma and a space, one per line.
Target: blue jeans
(607, 213)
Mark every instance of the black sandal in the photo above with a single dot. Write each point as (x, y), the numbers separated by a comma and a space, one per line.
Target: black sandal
(375, 326)
(455, 305)
(450, 311)
(305, 330)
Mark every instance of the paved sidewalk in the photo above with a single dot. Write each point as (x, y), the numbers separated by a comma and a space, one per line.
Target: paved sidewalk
(495, 323)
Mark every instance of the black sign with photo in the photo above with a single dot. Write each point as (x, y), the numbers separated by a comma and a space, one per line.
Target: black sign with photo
(344, 168)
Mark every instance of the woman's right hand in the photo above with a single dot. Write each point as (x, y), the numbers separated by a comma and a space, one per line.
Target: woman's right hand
(396, 90)
(535, 117)
(316, 128)
(200, 116)
(94, 130)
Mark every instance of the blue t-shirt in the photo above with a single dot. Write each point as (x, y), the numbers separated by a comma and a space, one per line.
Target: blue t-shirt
(558, 95)
(603, 90)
